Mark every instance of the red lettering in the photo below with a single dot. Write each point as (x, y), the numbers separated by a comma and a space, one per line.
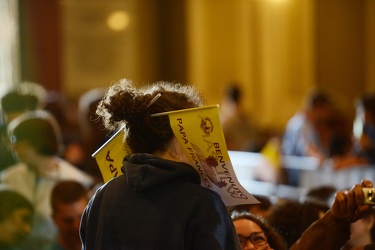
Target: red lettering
(108, 157)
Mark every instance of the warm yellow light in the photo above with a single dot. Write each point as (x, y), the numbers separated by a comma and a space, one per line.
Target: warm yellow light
(278, 1)
(118, 20)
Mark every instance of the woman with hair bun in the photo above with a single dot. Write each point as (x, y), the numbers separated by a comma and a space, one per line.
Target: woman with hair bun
(158, 203)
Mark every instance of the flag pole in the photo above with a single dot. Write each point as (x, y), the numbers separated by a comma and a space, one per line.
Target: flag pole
(182, 110)
(106, 143)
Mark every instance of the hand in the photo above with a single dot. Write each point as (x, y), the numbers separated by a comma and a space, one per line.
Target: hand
(347, 206)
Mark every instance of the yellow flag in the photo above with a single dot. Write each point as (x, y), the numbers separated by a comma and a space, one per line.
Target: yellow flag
(200, 134)
(109, 156)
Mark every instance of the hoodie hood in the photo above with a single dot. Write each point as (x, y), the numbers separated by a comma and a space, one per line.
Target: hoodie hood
(145, 171)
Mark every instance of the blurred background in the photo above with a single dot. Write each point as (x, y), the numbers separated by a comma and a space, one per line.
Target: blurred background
(276, 50)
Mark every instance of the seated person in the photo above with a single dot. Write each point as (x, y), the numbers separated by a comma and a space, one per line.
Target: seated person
(308, 132)
(68, 200)
(15, 218)
(319, 131)
(362, 143)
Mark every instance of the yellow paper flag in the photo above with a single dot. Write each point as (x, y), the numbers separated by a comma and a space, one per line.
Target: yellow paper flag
(109, 156)
(200, 134)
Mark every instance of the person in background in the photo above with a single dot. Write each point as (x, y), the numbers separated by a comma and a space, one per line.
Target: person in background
(364, 128)
(20, 99)
(159, 202)
(68, 200)
(15, 218)
(92, 130)
(319, 196)
(62, 108)
(362, 232)
(36, 140)
(239, 131)
(309, 132)
(255, 233)
(291, 218)
(333, 230)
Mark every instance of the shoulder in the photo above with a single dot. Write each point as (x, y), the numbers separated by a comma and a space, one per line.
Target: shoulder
(14, 170)
(297, 120)
(111, 188)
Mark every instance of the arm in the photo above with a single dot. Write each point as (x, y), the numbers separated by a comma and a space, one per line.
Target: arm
(333, 229)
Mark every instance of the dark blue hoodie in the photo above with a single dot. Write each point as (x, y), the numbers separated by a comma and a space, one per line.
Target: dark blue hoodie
(156, 204)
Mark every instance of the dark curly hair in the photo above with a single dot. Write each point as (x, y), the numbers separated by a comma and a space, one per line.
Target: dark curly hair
(291, 218)
(275, 241)
(125, 105)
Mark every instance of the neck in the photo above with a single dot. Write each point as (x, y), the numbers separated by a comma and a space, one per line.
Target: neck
(174, 152)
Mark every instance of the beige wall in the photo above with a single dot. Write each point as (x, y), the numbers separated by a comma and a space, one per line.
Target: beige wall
(277, 49)
(340, 49)
(151, 48)
(267, 46)
(95, 56)
(370, 44)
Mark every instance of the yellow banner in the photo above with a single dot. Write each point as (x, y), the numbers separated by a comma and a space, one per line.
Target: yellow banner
(199, 132)
(109, 156)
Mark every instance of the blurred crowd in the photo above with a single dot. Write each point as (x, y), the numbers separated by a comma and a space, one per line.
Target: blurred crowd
(45, 149)
(319, 129)
(323, 218)
(47, 173)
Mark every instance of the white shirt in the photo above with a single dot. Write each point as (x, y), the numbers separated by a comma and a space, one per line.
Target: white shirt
(38, 190)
